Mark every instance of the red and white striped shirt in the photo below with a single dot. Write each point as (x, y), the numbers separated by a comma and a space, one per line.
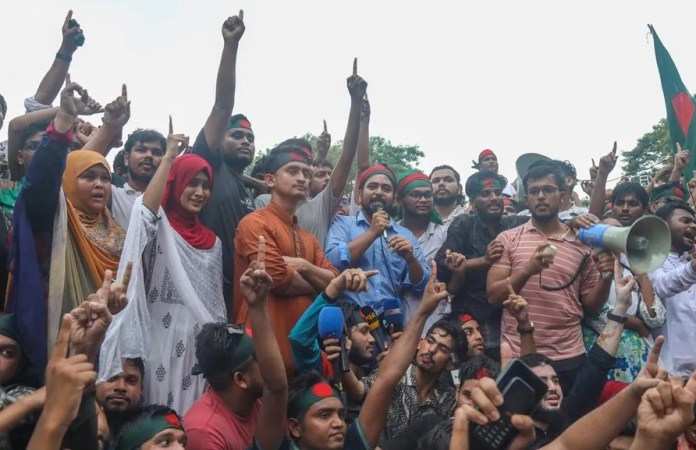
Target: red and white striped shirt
(556, 314)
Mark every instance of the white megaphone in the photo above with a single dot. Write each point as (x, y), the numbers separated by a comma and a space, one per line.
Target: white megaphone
(523, 163)
(646, 243)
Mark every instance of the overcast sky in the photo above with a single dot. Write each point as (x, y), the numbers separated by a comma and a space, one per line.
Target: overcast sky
(560, 78)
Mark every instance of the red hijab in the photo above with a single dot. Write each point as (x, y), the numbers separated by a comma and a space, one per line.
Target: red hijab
(188, 225)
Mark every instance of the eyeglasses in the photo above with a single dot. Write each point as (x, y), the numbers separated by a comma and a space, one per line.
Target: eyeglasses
(547, 190)
(416, 195)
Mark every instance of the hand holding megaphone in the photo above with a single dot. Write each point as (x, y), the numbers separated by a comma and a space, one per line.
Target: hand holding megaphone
(623, 287)
(604, 261)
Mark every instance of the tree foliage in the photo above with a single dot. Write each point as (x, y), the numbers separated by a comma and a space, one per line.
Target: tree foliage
(653, 150)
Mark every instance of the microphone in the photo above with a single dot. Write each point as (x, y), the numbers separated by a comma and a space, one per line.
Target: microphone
(394, 314)
(331, 324)
(370, 316)
(377, 207)
(345, 361)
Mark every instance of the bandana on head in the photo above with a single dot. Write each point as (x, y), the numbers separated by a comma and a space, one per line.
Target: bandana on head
(240, 355)
(511, 202)
(280, 156)
(410, 180)
(464, 318)
(8, 326)
(315, 394)
(667, 190)
(377, 169)
(484, 153)
(239, 121)
(484, 180)
(187, 224)
(146, 428)
(351, 314)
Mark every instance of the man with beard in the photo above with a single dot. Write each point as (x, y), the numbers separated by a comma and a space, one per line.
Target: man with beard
(673, 283)
(373, 241)
(474, 238)
(415, 195)
(121, 393)
(227, 144)
(306, 352)
(447, 193)
(559, 297)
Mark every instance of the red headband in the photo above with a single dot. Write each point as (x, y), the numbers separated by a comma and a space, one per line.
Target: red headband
(375, 170)
(464, 318)
(415, 176)
(486, 152)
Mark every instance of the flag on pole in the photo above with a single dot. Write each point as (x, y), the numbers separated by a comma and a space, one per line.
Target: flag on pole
(680, 104)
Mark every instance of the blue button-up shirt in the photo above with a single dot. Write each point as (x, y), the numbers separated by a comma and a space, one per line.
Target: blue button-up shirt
(393, 277)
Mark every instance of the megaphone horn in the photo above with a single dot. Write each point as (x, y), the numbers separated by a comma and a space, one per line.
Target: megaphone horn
(523, 163)
(646, 243)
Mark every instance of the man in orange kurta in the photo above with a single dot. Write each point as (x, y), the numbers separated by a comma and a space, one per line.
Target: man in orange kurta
(294, 258)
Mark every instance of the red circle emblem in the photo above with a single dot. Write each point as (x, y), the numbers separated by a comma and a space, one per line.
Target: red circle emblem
(322, 390)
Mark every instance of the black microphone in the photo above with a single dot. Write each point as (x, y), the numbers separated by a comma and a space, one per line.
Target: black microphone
(377, 207)
(370, 316)
(345, 360)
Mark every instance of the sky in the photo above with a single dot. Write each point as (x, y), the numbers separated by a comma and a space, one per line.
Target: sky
(560, 78)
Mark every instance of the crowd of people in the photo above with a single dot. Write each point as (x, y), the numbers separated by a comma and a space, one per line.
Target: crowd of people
(181, 300)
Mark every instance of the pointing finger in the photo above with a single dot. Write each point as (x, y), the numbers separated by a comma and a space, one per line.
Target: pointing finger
(613, 150)
(60, 350)
(108, 279)
(370, 273)
(124, 92)
(325, 129)
(593, 163)
(355, 66)
(261, 258)
(241, 14)
(654, 355)
(67, 19)
(67, 80)
(171, 127)
(127, 275)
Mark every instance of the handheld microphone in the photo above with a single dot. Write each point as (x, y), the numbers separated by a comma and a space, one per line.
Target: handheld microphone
(377, 207)
(370, 316)
(331, 324)
(394, 314)
(345, 361)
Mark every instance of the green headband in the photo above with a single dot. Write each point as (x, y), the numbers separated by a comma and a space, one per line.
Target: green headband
(667, 190)
(8, 326)
(239, 121)
(283, 155)
(315, 394)
(145, 429)
(241, 354)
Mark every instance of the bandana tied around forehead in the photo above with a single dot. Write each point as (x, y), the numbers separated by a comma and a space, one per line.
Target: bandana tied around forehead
(485, 153)
(239, 121)
(464, 318)
(377, 169)
(492, 182)
(315, 394)
(667, 190)
(280, 156)
(146, 428)
(413, 179)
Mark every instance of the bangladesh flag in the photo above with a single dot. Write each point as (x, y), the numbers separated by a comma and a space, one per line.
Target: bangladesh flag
(679, 103)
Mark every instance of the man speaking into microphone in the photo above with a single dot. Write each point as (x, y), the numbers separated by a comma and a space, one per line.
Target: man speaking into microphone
(372, 240)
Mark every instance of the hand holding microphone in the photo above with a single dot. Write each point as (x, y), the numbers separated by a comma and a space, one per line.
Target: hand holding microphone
(380, 219)
(331, 326)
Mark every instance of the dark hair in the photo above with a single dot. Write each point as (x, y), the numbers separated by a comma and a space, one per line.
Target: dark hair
(438, 438)
(446, 167)
(32, 129)
(535, 360)
(461, 344)
(567, 168)
(214, 348)
(258, 171)
(543, 170)
(144, 135)
(129, 419)
(349, 309)
(322, 163)
(138, 364)
(665, 211)
(299, 142)
(630, 188)
(120, 162)
(299, 385)
(473, 368)
(473, 183)
(3, 105)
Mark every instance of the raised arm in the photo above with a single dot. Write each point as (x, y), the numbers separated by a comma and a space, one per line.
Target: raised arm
(681, 158)
(53, 80)
(363, 162)
(373, 414)
(598, 198)
(216, 124)
(357, 88)
(255, 284)
(116, 115)
(176, 143)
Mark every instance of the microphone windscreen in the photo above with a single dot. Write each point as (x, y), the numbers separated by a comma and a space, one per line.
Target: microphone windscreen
(393, 312)
(331, 322)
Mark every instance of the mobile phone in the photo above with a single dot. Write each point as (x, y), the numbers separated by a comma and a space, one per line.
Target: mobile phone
(516, 368)
(518, 398)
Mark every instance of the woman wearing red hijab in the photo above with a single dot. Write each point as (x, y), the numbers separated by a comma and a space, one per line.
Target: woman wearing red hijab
(176, 285)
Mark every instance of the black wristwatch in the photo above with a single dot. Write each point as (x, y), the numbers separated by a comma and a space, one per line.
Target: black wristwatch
(617, 318)
(526, 330)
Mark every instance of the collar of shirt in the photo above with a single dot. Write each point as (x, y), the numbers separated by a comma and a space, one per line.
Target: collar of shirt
(569, 235)
(410, 380)
(129, 190)
(281, 214)
(432, 226)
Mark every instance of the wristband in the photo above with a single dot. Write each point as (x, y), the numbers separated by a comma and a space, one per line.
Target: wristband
(327, 298)
(616, 317)
(63, 57)
(526, 330)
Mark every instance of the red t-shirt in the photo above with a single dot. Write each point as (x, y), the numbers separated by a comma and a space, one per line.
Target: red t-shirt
(210, 425)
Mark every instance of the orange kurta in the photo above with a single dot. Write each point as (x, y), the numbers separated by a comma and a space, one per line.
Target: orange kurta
(284, 237)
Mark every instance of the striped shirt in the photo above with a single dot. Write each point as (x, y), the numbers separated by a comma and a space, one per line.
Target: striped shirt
(556, 314)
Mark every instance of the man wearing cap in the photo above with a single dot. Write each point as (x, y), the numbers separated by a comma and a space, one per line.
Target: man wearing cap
(294, 258)
(487, 160)
(414, 192)
(447, 193)
(372, 240)
(474, 238)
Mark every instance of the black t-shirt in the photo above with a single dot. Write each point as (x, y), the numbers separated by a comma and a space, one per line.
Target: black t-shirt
(228, 204)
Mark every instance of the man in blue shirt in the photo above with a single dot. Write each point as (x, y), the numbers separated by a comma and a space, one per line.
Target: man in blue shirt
(372, 240)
